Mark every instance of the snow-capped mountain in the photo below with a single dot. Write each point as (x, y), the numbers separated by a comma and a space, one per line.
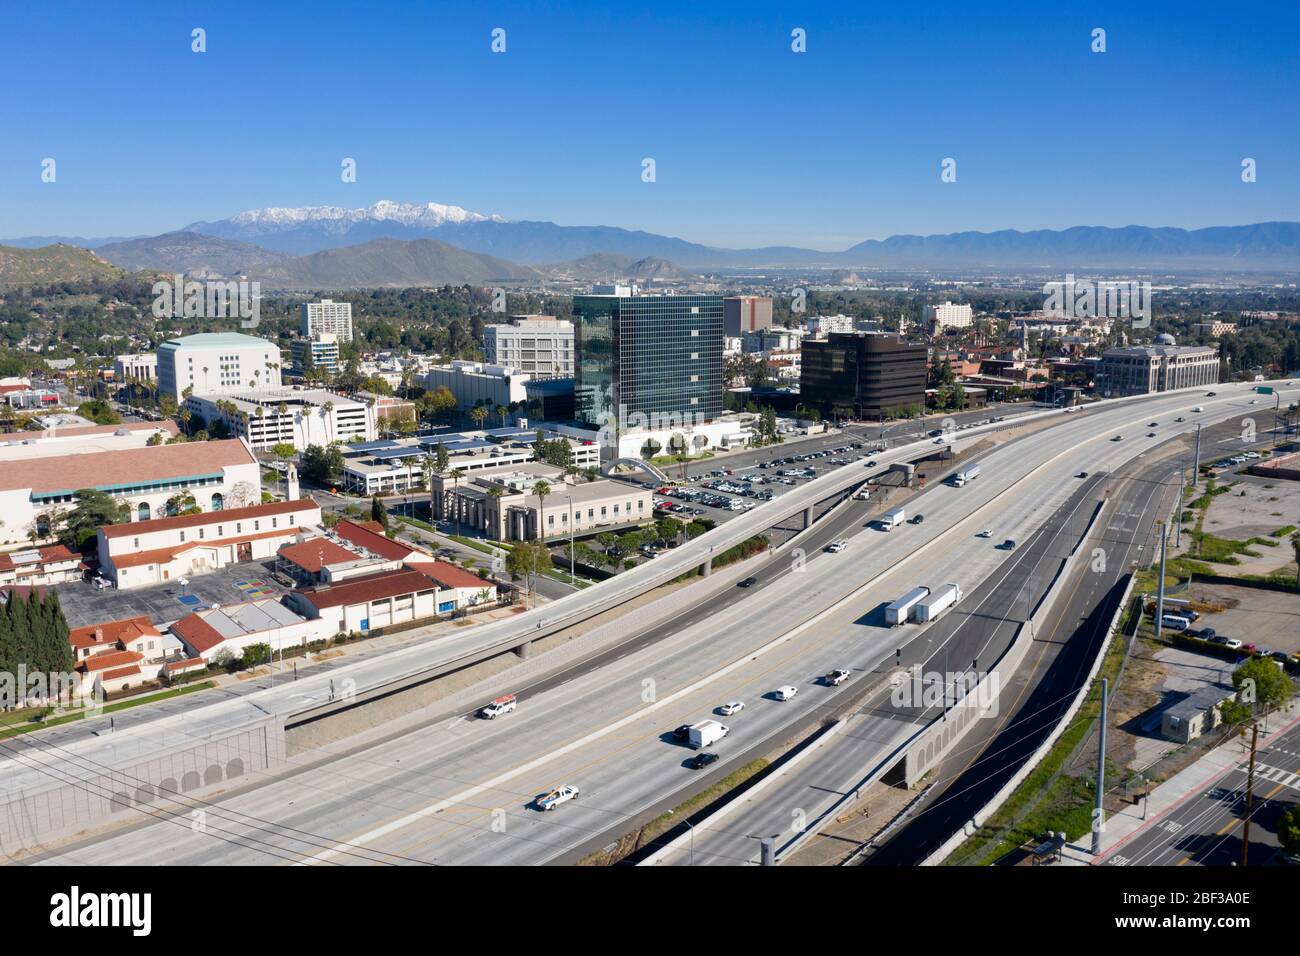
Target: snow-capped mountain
(429, 215)
(306, 229)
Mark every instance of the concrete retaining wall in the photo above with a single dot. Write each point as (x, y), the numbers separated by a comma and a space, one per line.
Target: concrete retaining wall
(82, 793)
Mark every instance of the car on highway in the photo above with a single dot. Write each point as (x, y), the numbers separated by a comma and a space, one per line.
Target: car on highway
(870, 464)
(986, 533)
(1254, 401)
(748, 582)
(1082, 474)
(731, 707)
(1152, 424)
(1118, 438)
(836, 677)
(1008, 545)
(785, 692)
(503, 705)
(682, 733)
(835, 547)
(1151, 434)
(556, 797)
(916, 519)
(1210, 394)
(702, 760)
(1198, 408)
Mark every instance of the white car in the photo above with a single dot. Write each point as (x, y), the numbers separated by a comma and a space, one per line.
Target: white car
(1198, 408)
(986, 533)
(835, 547)
(556, 797)
(1254, 401)
(731, 708)
(836, 677)
(785, 693)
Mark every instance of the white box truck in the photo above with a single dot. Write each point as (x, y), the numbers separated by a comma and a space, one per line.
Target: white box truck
(892, 518)
(968, 474)
(898, 612)
(930, 608)
(706, 733)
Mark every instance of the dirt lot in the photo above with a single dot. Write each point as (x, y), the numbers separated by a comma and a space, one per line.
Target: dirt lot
(1256, 507)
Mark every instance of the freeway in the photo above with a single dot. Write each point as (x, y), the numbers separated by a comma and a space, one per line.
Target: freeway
(460, 792)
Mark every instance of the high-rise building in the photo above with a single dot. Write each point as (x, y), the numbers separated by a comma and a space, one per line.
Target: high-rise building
(644, 360)
(949, 314)
(861, 374)
(540, 345)
(746, 313)
(334, 318)
(217, 363)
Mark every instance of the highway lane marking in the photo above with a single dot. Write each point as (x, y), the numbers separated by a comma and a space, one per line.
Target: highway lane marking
(717, 675)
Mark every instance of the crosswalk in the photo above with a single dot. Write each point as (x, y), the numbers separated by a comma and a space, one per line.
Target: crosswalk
(1275, 775)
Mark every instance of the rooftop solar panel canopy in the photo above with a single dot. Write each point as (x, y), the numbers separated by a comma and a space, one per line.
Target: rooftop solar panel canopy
(408, 451)
(432, 440)
(508, 432)
(372, 445)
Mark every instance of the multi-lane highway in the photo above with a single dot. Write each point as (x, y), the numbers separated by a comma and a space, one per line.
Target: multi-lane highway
(460, 791)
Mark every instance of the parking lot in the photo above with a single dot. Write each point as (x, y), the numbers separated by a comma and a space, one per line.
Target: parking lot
(84, 605)
(723, 492)
(1266, 619)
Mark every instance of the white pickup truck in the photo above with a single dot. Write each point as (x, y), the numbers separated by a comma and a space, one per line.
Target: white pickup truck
(499, 707)
(556, 797)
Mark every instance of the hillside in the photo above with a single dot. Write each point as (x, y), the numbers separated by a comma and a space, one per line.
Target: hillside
(391, 263)
(56, 263)
(195, 255)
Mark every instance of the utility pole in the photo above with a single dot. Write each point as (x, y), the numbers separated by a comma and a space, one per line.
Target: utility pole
(1160, 593)
(1178, 517)
(1277, 410)
(1250, 793)
(1098, 813)
(1196, 468)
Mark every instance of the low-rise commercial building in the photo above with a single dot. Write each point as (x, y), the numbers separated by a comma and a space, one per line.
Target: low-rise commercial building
(79, 439)
(216, 473)
(140, 367)
(165, 549)
(54, 564)
(478, 383)
(117, 655)
(502, 503)
(1147, 369)
(232, 628)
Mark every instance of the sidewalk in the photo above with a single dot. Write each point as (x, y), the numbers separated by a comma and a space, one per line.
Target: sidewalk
(1164, 799)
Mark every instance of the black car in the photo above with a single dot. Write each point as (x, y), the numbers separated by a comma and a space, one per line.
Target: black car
(682, 732)
(917, 519)
(702, 760)
(870, 464)
(747, 583)
(1082, 474)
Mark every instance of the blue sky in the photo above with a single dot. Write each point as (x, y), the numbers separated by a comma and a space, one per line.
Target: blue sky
(754, 144)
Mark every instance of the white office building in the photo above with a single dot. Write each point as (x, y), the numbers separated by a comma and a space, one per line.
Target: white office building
(217, 363)
(540, 345)
(478, 383)
(328, 316)
(141, 367)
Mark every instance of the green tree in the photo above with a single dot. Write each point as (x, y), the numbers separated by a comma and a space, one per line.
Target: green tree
(1288, 830)
(91, 510)
(1262, 686)
(378, 512)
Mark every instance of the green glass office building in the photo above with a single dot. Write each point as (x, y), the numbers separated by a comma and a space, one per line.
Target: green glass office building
(657, 357)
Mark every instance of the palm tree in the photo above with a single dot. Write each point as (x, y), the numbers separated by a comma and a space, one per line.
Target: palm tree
(501, 414)
(326, 408)
(541, 490)
(478, 413)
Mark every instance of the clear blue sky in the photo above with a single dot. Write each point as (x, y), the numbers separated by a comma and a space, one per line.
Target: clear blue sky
(754, 144)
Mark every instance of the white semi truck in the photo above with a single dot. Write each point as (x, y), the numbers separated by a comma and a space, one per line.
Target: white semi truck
(930, 608)
(968, 474)
(899, 612)
(706, 733)
(892, 518)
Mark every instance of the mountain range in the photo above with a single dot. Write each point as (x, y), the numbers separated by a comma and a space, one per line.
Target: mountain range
(392, 243)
